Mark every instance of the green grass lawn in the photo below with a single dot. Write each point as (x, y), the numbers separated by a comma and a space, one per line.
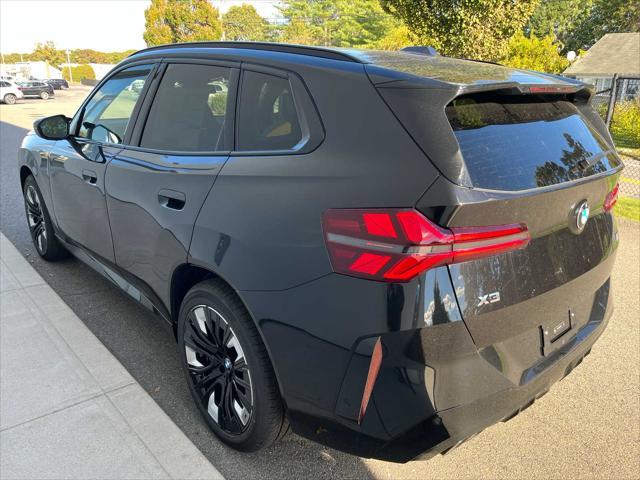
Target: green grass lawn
(630, 152)
(628, 208)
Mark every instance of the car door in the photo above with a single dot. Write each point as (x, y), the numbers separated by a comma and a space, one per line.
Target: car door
(156, 185)
(78, 164)
(27, 88)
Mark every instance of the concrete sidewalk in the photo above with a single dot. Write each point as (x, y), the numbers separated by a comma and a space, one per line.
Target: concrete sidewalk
(68, 408)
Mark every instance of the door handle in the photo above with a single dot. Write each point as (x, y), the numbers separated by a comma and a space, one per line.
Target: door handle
(172, 199)
(90, 177)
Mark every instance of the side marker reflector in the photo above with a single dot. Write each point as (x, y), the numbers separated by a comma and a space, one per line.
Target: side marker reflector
(374, 369)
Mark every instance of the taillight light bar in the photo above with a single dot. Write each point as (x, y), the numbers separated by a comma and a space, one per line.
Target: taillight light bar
(395, 245)
(611, 198)
(553, 89)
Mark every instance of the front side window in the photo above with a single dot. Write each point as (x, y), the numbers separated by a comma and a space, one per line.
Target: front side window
(189, 111)
(106, 116)
(268, 119)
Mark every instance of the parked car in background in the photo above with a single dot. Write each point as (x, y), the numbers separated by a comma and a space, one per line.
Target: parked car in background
(9, 92)
(57, 83)
(136, 86)
(36, 88)
(386, 251)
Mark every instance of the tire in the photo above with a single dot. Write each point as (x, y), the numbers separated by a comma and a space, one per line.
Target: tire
(238, 373)
(39, 221)
(9, 99)
(44, 95)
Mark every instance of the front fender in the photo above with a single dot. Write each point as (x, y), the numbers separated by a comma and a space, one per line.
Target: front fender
(33, 155)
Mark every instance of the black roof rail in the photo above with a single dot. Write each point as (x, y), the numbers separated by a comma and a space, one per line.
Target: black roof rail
(421, 50)
(272, 47)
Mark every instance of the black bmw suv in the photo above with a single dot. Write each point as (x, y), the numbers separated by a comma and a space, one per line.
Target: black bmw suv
(388, 252)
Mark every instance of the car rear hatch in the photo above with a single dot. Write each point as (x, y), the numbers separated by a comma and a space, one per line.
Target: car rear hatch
(522, 149)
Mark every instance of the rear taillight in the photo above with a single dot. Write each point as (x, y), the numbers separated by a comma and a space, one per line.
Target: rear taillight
(395, 245)
(611, 198)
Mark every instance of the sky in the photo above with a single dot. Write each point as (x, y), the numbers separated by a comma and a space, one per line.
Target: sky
(104, 25)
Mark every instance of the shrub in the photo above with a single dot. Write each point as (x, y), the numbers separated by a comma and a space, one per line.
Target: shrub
(218, 103)
(533, 53)
(79, 73)
(625, 124)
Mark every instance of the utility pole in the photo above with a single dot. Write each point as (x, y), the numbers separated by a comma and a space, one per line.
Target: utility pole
(69, 64)
(223, 37)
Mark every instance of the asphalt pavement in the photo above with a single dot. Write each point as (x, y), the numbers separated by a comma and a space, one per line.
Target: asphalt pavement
(588, 426)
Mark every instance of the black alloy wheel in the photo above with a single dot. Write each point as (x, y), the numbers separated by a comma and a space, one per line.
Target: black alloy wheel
(218, 369)
(228, 369)
(39, 222)
(35, 217)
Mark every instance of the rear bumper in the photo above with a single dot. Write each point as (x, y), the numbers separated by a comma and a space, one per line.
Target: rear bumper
(402, 396)
(466, 420)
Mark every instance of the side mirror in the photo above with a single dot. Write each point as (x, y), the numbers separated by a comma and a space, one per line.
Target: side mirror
(52, 128)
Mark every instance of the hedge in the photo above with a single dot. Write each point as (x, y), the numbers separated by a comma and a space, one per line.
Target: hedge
(79, 73)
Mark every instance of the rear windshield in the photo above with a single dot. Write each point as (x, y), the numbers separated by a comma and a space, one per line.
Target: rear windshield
(522, 142)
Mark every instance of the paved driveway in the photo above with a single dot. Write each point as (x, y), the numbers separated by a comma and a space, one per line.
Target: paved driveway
(587, 426)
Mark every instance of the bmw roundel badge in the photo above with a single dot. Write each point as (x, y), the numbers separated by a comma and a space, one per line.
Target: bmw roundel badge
(579, 217)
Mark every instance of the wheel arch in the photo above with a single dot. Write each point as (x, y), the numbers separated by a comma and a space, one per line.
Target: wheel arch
(188, 275)
(24, 173)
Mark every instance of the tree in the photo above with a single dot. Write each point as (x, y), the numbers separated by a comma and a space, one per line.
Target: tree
(397, 37)
(298, 31)
(605, 16)
(342, 23)
(46, 52)
(243, 23)
(85, 55)
(172, 21)
(477, 29)
(533, 53)
(557, 17)
(16, 57)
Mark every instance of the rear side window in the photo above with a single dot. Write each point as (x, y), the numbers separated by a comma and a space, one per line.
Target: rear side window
(523, 142)
(268, 119)
(189, 112)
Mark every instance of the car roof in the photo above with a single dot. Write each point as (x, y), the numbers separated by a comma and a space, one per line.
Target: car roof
(410, 64)
(321, 52)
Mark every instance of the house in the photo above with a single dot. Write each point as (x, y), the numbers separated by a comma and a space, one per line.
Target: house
(29, 70)
(615, 53)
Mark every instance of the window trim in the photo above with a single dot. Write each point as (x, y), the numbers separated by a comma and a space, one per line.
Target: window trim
(74, 125)
(141, 121)
(311, 125)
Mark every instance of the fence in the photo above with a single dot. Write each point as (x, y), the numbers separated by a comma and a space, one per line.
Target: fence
(619, 107)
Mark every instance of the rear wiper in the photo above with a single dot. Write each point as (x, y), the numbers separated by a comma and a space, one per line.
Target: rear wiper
(593, 159)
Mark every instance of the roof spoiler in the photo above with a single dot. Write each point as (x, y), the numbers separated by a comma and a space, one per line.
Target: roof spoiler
(513, 88)
(421, 50)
